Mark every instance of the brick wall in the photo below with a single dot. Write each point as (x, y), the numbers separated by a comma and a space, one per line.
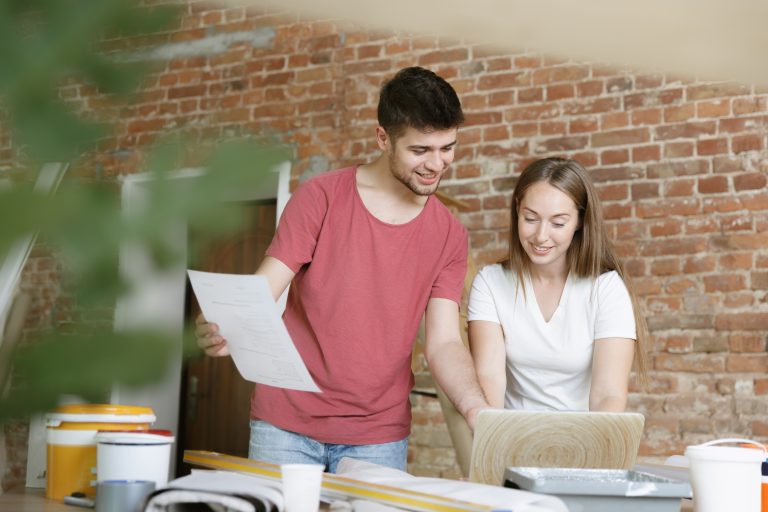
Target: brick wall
(681, 166)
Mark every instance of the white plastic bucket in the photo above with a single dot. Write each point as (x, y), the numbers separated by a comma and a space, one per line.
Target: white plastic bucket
(726, 478)
(134, 455)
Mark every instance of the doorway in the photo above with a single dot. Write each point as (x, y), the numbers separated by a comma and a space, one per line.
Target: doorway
(215, 400)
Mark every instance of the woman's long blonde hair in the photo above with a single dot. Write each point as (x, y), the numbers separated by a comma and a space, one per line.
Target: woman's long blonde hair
(591, 252)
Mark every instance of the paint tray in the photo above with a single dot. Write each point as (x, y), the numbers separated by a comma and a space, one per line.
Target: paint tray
(602, 490)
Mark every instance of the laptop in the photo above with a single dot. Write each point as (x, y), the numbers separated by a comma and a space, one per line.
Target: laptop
(554, 439)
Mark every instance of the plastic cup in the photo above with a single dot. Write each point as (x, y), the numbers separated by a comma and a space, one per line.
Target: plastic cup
(725, 478)
(301, 486)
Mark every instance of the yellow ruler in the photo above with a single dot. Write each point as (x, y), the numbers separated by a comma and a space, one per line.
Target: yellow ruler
(336, 487)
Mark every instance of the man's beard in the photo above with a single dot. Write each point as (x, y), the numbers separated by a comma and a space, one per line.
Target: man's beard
(410, 181)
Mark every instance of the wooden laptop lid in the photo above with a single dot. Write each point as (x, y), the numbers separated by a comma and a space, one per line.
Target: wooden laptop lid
(603, 440)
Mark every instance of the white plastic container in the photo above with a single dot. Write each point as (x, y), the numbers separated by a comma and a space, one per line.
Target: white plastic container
(134, 455)
(726, 478)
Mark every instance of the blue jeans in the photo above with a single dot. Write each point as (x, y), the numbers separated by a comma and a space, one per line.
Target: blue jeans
(271, 444)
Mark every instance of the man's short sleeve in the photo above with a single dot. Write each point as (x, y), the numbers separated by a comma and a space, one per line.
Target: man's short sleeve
(449, 283)
(296, 236)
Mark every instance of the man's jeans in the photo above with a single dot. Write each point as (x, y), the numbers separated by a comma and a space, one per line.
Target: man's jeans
(271, 444)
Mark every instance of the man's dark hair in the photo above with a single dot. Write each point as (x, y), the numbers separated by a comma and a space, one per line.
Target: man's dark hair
(418, 98)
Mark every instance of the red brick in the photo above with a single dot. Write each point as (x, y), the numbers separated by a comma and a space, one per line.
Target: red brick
(648, 81)
(530, 94)
(700, 92)
(677, 169)
(481, 118)
(711, 147)
(737, 222)
(552, 128)
(748, 105)
(646, 153)
(532, 112)
(695, 363)
(754, 363)
(560, 74)
(652, 98)
(678, 149)
(651, 116)
(595, 106)
(676, 114)
(588, 159)
(682, 187)
(560, 91)
(667, 228)
(674, 206)
(524, 129)
(724, 283)
(583, 125)
(699, 264)
(713, 185)
(443, 56)
(738, 300)
(645, 190)
(755, 201)
(742, 124)
(501, 98)
(620, 137)
(613, 192)
(564, 143)
(716, 108)
(397, 47)
(761, 386)
(615, 173)
(494, 133)
(688, 245)
(617, 211)
(759, 428)
(741, 322)
(499, 64)
(742, 143)
(614, 156)
(618, 84)
(747, 343)
(736, 261)
(614, 120)
(686, 130)
(186, 92)
(759, 280)
(751, 181)
(721, 204)
(503, 80)
(591, 88)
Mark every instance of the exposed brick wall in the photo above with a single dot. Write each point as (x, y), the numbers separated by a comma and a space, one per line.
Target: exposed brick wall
(681, 166)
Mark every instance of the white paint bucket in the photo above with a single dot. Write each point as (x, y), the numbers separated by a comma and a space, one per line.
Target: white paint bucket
(726, 478)
(133, 455)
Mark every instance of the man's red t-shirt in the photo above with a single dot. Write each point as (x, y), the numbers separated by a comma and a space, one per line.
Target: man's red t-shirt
(354, 307)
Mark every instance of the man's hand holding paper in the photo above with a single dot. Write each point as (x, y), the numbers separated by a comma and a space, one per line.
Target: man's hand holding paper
(248, 326)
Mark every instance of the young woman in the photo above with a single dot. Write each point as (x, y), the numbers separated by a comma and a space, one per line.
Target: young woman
(556, 326)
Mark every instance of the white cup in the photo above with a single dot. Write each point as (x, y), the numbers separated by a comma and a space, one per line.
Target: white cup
(301, 486)
(726, 478)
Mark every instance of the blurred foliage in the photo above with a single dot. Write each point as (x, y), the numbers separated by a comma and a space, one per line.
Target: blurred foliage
(43, 45)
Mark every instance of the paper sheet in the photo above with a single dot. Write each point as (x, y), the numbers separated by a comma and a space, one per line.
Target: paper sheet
(249, 320)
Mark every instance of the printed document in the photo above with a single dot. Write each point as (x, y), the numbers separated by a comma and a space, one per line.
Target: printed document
(249, 320)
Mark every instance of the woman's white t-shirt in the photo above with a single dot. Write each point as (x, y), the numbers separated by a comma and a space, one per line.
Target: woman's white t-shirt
(549, 364)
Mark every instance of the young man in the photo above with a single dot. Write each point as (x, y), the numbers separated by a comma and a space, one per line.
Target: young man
(369, 251)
